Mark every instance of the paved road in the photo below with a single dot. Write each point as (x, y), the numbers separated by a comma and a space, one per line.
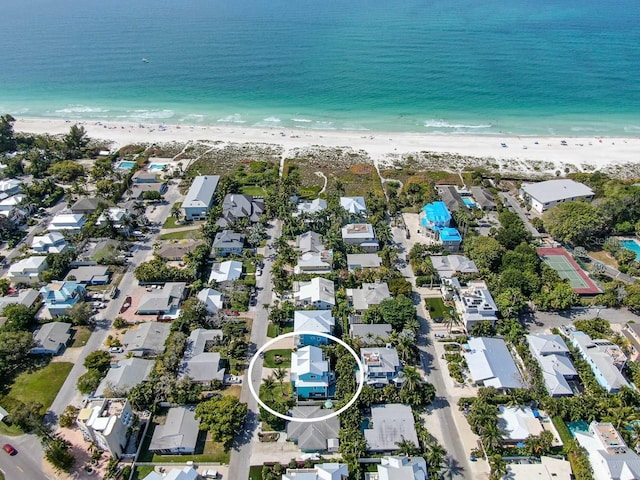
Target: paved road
(515, 206)
(241, 454)
(542, 321)
(27, 464)
(68, 394)
(441, 407)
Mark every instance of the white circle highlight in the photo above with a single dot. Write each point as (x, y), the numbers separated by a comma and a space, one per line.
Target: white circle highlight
(273, 341)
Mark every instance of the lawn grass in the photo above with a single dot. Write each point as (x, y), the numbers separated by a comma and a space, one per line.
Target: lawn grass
(195, 234)
(40, 385)
(273, 330)
(436, 307)
(207, 451)
(142, 472)
(269, 358)
(255, 472)
(248, 265)
(9, 430)
(254, 190)
(81, 336)
(170, 222)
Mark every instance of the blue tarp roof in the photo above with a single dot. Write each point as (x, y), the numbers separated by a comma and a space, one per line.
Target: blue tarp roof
(436, 212)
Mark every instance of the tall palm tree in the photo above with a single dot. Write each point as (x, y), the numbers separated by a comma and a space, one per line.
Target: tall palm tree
(412, 379)
(498, 467)
(435, 455)
(280, 374)
(407, 447)
(268, 386)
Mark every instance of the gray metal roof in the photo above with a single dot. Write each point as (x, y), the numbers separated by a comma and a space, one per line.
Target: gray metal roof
(51, 337)
(125, 375)
(312, 436)
(370, 332)
(89, 273)
(390, 424)
(491, 363)
(370, 294)
(197, 364)
(228, 239)
(147, 337)
(363, 260)
(201, 192)
(556, 190)
(180, 431)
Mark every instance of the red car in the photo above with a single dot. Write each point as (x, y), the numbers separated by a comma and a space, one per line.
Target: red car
(9, 449)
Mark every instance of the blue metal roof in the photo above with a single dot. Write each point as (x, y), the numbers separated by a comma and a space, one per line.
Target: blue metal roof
(436, 212)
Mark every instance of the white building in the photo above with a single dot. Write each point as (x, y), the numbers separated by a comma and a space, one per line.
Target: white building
(213, 299)
(52, 242)
(106, 422)
(67, 222)
(354, 205)
(311, 207)
(552, 355)
(474, 302)
(319, 293)
(491, 365)
(321, 471)
(200, 197)
(549, 468)
(608, 454)
(226, 271)
(544, 195)
(518, 423)
(362, 234)
(28, 270)
(401, 468)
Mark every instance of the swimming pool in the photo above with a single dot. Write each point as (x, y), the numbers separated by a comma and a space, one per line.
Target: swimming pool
(126, 164)
(157, 166)
(468, 202)
(633, 246)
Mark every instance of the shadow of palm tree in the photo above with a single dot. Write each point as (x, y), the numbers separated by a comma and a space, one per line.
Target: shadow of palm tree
(450, 468)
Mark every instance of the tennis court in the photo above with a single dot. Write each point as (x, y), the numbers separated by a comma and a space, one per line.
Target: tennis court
(562, 262)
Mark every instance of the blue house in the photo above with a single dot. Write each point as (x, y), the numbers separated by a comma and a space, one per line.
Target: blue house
(310, 375)
(436, 219)
(59, 297)
(313, 321)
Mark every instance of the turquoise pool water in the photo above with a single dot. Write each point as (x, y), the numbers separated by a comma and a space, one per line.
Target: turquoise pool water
(156, 166)
(126, 164)
(579, 426)
(633, 246)
(468, 202)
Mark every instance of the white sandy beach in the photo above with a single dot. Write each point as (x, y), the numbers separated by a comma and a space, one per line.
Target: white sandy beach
(581, 153)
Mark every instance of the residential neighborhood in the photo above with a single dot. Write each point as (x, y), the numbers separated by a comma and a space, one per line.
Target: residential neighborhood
(145, 284)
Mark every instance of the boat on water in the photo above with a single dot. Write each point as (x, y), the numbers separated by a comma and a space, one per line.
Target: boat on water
(145, 60)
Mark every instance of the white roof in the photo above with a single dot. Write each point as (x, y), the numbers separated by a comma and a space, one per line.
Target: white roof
(610, 460)
(47, 240)
(186, 473)
(226, 271)
(402, 468)
(353, 205)
(556, 190)
(201, 192)
(313, 206)
(65, 221)
(549, 469)
(313, 321)
(552, 354)
(34, 263)
(308, 360)
(321, 471)
(518, 423)
(213, 299)
(447, 265)
(491, 363)
(358, 231)
(318, 289)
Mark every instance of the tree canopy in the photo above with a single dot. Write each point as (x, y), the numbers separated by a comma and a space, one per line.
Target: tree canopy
(575, 223)
(222, 417)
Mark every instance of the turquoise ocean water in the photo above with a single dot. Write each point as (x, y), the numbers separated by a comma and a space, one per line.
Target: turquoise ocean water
(453, 66)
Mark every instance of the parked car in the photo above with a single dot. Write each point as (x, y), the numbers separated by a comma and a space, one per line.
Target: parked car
(9, 449)
(232, 313)
(116, 350)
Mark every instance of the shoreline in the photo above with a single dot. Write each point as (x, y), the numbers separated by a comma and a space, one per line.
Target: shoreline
(581, 153)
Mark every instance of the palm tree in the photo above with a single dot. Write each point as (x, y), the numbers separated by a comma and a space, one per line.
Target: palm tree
(498, 467)
(280, 374)
(450, 321)
(491, 437)
(435, 455)
(407, 447)
(412, 379)
(176, 212)
(269, 385)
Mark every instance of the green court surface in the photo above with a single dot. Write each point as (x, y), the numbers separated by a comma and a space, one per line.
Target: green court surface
(561, 265)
